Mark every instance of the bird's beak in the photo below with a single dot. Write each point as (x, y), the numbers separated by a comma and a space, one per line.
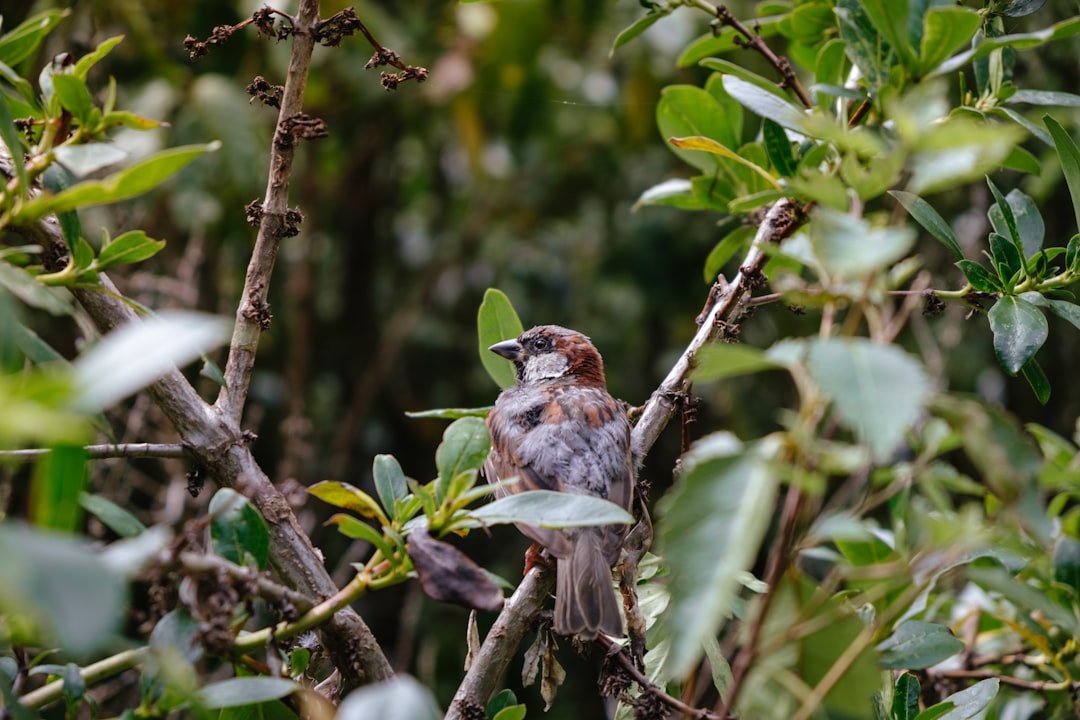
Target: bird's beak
(509, 349)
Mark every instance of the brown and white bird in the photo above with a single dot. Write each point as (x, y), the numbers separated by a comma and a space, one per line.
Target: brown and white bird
(559, 429)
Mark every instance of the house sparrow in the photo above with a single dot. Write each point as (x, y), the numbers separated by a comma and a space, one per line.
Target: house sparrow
(559, 429)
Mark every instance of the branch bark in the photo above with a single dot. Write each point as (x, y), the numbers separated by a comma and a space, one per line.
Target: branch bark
(726, 303)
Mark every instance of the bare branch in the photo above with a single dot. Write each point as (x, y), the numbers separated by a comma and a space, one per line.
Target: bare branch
(253, 312)
(100, 452)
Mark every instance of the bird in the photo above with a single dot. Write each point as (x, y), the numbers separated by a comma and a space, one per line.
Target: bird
(559, 429)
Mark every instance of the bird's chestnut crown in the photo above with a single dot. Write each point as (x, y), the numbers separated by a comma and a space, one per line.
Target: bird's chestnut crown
(548, 353)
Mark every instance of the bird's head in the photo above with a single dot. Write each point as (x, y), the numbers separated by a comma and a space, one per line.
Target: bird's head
(550, 353)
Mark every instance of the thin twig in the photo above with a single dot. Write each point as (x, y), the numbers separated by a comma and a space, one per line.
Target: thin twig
(100, 452)
(194, 562)
(627, 663)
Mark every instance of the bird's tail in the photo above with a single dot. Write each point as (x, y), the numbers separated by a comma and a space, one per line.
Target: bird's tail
(585, 600)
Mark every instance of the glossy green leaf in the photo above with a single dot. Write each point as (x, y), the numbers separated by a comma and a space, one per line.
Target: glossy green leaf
(131, 247)
(88, 158)
(550, 509)
(709, 145)
(348, 497)
(979, 277)
(83, 64)
(1051, 98)
(1020, 41)
(352, 527)
(389, 479)
(849, 247)
(689, 111)
(778, 147)
(23, 286)
(1019, 331)
(1037, 380)
(711, 525)
(135, 180)
(905, 702)
(946, 29)
(717, 361)
(725, 250)
(930, 220)
(464, 447)
(864, 45)
(237, 531)
(676, 192)
(877, 390)
(65, 586)
(1006, 259)
(717, 44)
(1069, 155)
(114, 517)
(1022, 160)
(497, 321)
(73, 95)
(915, 645)
(59, 477)
(635, 29)
(972, 701)
(1066, 561)
(765, 104)
(139, 352)
(830, 66)
(958, 151)
(1005, 213)
(890, 19)
(238, 691)
(22, 40)
(401, 697)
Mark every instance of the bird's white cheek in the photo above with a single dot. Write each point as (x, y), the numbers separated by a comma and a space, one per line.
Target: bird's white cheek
(545, 367)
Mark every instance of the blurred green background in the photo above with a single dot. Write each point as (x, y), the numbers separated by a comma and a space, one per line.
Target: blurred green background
(516, 165)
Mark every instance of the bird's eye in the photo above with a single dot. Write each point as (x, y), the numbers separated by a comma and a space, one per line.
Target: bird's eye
(542, 343)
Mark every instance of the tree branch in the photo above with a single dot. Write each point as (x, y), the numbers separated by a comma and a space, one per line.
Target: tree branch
(101, 452)
(253, 312)
(517, 615)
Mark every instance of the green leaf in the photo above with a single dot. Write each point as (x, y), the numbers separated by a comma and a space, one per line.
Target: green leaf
(725, 250)
(114, 517)
(237, 530)
(915, 645)
(849, 247)
(1004, 211)
(82, 255)
(550, 509)
(135, 180)
(131, 247)
(778, 147)
(352, 527)
(971, 701)
(636, 28)
(890, 18)
(676, 192)
(1045, 97)
(464, 447)
(347, 497)
(877, 390)
(1021, 41)
(139, 352)
(717, 44)
(73, 95)
(59, 477)
(709, 145)
(22, 285)
(958, 151)
(390, 482)
(864, 45)
(503, 699)
(723, 360)
(88, 158)
(401, 697)
(1069, 155)
(1037, 380)
(18, 44)
(450, 413)
(945, 31)
(930, 220)
(1019, 331)
(238, 691)
(1067, 562)
(83, 65)
(829, 68)
(765, 103)
(712, 523)
(905, 702)
(512, 712)
(1022, 160)
(938, 711)
(689, 111)
(62, 586)
(497, 321)
(979, 277)
(14, 142)
(1006, 259)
